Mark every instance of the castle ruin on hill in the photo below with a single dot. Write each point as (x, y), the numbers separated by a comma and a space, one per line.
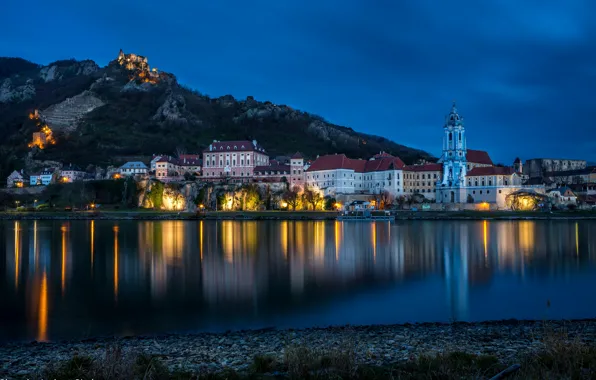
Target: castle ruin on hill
(139, 67)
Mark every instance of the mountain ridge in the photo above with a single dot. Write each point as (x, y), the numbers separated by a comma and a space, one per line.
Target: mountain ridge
(101, 115)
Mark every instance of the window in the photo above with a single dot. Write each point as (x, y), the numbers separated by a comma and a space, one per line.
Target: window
(488, 191)
(474, 192)
(450, 136)
(480, 191)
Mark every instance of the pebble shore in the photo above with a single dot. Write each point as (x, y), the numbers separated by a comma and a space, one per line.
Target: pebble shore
(374, 345)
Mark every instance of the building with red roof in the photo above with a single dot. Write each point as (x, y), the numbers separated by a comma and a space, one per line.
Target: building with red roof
(477, 158)
(235, 160)
(338, 174)
(422, 179)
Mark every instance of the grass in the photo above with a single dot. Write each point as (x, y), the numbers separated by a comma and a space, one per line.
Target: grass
(561, 357)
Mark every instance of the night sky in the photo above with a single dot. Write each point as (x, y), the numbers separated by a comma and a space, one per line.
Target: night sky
(523, 72)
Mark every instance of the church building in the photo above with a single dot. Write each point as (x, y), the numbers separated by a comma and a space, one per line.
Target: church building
(469, 176)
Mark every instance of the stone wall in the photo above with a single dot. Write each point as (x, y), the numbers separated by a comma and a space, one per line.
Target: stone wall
(66, 115)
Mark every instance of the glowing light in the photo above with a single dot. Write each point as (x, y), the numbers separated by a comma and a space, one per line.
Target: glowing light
(17, 253)
(283, 204)
(485, 236)
(42, 324)
(92, 243)
(228, 240)
(201, 239)
(116, 273)
(373, 225)
(337, 206)
(117, 176)
(337, 239)
(484, 206)
(173, 201)
(63, 258)
(284, 238)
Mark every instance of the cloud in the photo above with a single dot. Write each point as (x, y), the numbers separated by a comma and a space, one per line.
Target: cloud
(523, 73)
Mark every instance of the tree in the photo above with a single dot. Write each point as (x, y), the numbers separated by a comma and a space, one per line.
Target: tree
(291, 197)
(330, 203)
(312, 197)
(386, 200)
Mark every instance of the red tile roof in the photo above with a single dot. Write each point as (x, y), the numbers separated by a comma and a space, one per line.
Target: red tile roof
(340, 161)
(478, 157)
(241, 146)
(424, 168)
(491, 170)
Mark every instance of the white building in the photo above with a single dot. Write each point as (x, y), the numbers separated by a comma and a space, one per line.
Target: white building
(452, 187)
(15, 179)
(338, 174)
(562, 196)
(71, 173)
(132, 168)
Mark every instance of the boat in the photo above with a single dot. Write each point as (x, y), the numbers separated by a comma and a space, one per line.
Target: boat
(364, 216)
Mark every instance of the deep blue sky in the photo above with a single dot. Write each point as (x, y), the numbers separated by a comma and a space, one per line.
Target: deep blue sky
(523, 72)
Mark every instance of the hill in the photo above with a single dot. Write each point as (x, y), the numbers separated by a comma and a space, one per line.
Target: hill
(102, 116)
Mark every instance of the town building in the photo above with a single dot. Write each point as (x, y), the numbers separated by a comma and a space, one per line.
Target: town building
(133, 168)
(16, 179)
(491, 184)
(274, 172)
(539, 169)
(190, 163)
(44, 178)
(453, 158)
(71, 173)
(233, 160)
(167, 169)
(337, 174)
(422, 179)
(477, 159)
(562, 196)
(297, 168)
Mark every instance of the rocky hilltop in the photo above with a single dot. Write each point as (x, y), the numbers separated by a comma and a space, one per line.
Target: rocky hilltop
(105, 115)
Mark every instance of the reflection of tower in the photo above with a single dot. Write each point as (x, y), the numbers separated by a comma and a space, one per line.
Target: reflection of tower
(456, 274)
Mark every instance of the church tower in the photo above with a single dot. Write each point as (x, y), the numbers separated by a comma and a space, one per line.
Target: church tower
(454, 150)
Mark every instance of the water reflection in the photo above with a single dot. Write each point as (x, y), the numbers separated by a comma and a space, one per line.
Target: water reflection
(160, 276)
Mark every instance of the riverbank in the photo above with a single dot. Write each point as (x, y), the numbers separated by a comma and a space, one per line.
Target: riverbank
(291, 215)
(478, 350)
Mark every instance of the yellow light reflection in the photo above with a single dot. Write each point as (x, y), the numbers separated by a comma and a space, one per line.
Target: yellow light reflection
(201, 238)
(319, 241)
(284, 238)
(337, 239)
(63, 260)
(17, 253)
(92, 243)
(42, 325)
(485, 237)
(116, 263)
(227, 228)
(374, 240)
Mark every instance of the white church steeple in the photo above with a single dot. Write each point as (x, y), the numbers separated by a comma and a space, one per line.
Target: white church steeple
(454, 149)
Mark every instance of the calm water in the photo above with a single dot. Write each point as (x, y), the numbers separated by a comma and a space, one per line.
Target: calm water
(87, 278)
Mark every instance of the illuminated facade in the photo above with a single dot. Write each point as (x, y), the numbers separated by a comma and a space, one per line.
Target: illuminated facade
(235, 160)
(15, 179)
(338, 174)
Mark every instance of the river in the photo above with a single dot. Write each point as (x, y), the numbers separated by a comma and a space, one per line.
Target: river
(81, 279)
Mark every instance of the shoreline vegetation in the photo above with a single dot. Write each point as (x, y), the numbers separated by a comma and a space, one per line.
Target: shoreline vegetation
(289, 215)
(530, 349)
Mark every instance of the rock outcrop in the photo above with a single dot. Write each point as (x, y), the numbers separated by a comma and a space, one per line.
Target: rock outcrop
(11, 93)
(57, 70)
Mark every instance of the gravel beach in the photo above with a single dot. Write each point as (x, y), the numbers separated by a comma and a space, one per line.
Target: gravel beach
(375, 345)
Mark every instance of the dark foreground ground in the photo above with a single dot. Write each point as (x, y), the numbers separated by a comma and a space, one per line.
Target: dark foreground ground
(539, 350)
